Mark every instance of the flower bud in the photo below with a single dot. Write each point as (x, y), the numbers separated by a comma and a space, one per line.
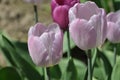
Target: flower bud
(60, 10)
(45, 44)
(88, 26)
(113, 21)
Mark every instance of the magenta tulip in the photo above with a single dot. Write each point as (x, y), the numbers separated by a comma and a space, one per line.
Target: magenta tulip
(88, 25)
(60, 10)
(45, 44)
(113, 21)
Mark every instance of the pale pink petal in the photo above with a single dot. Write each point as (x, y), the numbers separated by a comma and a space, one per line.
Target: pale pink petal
(37, 30)
(113, 17)
(85, 10)
(83, 34)
(113, 34)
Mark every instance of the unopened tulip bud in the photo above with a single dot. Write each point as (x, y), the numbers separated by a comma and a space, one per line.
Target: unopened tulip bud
(60, 10)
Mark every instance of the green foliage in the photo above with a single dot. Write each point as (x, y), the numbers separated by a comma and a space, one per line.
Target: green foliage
(11, 72)
(116, 72)
(18, 61)
(71, 70)
(55, 72)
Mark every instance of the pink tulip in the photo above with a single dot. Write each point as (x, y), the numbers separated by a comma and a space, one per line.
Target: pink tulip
(60, 10)
(88, 26)
(45, 44)
(113, 21)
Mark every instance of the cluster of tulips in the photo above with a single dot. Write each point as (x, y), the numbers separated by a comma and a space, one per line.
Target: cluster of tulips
(89, 26)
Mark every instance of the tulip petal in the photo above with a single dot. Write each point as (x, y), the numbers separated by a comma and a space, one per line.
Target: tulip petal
(113, 34)
(36, 49)
(37, 30)
(113, 17)
(85, 10)
(60, 15)
(83, 34)
(71, 2)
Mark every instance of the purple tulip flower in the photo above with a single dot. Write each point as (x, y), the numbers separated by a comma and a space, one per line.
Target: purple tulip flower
(45, 44)
(88, 25)
(113, 21)
(60, 10)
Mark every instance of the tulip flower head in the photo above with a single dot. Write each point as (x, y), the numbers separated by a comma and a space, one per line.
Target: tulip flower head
(60, 10)
(45, 44)
(88, 26)
(113, 21)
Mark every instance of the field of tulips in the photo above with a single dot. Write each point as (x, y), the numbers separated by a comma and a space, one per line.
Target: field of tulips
(81, 42)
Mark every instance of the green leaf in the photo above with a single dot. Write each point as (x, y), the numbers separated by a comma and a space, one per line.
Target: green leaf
(65, 44)
(9, 73)
(105, 64)
(80, 67)
(55, 72)
(22, 47)
(27, 69)
(71, 71)
(116, 72)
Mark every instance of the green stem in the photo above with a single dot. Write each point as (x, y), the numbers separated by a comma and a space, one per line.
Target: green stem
(45, 74)
(36, 13)
(114, 56)
(94, 58)
(68, 40)
(89, 65)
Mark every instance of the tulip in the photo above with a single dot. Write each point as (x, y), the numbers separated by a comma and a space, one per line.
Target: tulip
(45, 44)
(88, 26)
(113, 21)
(60, 10)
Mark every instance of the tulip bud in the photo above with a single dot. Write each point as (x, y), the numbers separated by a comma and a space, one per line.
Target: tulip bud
(88, 26)
(45, 44)
(113, 21)
(60, 10)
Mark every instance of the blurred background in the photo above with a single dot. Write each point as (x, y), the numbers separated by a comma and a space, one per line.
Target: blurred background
(16, 17)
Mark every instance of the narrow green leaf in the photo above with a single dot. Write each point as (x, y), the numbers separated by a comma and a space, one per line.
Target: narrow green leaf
(80, 67)
(71, 70)
(28, 70)
(105, 63)
(116, 72)
(9, 73)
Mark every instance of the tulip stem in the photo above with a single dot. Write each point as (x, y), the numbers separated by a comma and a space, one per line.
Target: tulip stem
(114, 56)
(89, 65)
(45, 74)
(36, 13)
(68, 40)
